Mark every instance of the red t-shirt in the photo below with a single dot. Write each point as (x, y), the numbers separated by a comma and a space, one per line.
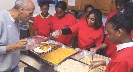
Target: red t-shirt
(111, 49)
(87, 36)
(122, 62)
(110, 15)
(65, 22)
(42, 25)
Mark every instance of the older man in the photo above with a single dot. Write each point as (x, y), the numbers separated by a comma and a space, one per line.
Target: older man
(10, 45)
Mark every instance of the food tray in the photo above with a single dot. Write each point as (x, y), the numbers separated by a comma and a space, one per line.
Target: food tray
(61, 60)
(52, 49)
(84, 53)
(86, 57)
(73, 65)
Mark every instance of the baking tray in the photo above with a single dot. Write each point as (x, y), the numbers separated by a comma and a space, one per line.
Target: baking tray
(52, 49)
(84, 64)
(86, 57)
(50, 63)
(85, 53)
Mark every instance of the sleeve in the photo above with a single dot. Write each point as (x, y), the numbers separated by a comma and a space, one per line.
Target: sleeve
(99, 39)
(3, 36)
(117, 67)
(66, 31)
(34, 26)
(75, 27)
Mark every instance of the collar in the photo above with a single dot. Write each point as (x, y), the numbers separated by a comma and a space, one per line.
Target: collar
(11, 17)
(43, 16)
(124, 45)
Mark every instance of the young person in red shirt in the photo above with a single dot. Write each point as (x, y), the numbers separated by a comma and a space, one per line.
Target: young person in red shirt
(87, 9)
(90, 31)
(107, 45)
(119, 29)
(119, 7)
(42, 22)
(62, 20)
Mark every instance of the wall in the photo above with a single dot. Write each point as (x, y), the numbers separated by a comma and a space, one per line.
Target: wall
(37, 8)
(8, 4)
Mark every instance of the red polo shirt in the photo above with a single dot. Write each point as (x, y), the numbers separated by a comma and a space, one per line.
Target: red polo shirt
(65, 22)
(87, 36)
(42, 25)
(122, 62)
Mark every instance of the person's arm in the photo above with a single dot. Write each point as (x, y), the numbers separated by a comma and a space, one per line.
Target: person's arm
(3, 39)
(66, 31)
(102, 46)
(21, 44)
(4, 47)
(95, 64)
(73, 29)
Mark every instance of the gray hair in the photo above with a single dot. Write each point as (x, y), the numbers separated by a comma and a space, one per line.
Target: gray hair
(21, 3)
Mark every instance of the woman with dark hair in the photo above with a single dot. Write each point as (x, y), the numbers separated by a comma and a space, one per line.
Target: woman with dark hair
(90, 31)
(87, 9)
(42, 22)
(107, 45)
(119, 30)
(62, 20)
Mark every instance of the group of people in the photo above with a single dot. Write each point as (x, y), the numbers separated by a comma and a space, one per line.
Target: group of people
(118, 41)
(64, 27)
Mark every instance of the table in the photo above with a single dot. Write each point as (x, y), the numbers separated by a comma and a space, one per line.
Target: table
(35, 62)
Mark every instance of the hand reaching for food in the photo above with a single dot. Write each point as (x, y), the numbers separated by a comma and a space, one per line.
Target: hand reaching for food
(57, 33)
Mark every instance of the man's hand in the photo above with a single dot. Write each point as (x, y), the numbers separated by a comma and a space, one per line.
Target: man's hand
(21, 44)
